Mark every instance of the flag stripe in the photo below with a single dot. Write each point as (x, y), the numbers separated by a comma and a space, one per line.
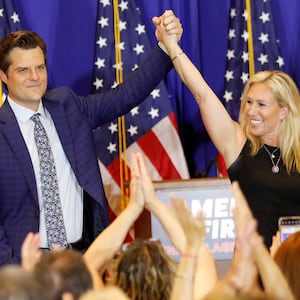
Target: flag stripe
(158, 155)
(167, 132)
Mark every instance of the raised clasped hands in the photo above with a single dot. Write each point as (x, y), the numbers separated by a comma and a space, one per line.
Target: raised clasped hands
(168, 28)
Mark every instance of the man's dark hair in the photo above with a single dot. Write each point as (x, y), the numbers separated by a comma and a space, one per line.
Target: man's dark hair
(22, 39)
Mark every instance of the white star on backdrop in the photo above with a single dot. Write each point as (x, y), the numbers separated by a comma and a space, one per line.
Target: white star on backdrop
(98, 83)
(100, 63)
(134, 111)
(112, 147)
(155, 93)
(113, 127)
(15, 17)
(105, 2)
(140, 29)
(138, 49)
(227, 96)
(103, 22)
(101, 42)
(132, 130)
(154, 113)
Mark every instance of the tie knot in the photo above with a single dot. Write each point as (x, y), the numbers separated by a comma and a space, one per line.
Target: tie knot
(35, 118)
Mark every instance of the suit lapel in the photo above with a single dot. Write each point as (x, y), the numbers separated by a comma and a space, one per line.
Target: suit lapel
(13, 135)
(60, 120)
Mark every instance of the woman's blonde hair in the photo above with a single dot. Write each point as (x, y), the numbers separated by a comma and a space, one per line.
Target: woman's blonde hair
(287, 95)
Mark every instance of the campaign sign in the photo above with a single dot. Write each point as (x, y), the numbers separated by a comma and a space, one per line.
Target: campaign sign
(214, 197)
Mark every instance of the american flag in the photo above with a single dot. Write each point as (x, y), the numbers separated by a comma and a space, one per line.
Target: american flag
(266, 48)
(9, 22)
(150, 127)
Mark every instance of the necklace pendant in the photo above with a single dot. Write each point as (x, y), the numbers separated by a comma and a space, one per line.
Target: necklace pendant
(275, 169)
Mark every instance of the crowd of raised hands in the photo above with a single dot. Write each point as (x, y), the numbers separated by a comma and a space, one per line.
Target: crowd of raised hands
(144, 270)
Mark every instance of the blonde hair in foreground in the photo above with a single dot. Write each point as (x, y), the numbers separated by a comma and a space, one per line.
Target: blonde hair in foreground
(144, 271)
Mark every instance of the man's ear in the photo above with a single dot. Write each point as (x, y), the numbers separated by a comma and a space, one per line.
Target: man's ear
(283, 113)
(3, 76)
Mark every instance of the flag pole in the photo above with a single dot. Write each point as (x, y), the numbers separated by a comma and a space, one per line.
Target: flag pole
(124, 177)
(250, 39)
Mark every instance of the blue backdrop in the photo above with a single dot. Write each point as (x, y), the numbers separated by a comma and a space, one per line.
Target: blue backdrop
(69, 29)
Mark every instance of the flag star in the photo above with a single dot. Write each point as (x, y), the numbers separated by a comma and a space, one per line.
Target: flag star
(134, 111)
(118, 66)
(103, 22)
(232, 13)
(227, 96)
(15, 17)
(98, 83)
(132, 130)
(138, 49)
(280, 61)
(101, 42)
(245, 56)
(245, 15)
(265, 17)
(229, 75)
(231, 34)
(105, 2)
(230, 54)
(123, 5)
(155, 93)
(1, 12)
(135, 67)
(264, 38)
(140, 29)
(113, 127)
(153, 113)
(123, 25)
(112, 147)
(121, 46)
(244, 77)
(245, 35)
(114, 85)
(100, 63)
(263, 58)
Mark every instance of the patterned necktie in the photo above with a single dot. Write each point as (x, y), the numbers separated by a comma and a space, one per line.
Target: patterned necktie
(56, 232)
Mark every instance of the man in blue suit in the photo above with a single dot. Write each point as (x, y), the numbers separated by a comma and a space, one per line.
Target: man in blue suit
(69, 121)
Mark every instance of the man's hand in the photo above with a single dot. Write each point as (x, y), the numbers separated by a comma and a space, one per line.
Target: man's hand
(168, 26)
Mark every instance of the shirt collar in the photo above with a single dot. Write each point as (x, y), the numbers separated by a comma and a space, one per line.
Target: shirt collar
(22, 113)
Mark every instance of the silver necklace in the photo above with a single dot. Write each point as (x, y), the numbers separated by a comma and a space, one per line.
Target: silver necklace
(275, 168)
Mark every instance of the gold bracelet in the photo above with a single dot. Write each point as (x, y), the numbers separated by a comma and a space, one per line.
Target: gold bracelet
(177, 55)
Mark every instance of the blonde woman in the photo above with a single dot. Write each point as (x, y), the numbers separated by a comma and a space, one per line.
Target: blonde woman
(262, 151)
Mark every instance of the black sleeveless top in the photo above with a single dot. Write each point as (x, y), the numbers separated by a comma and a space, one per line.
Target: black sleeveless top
(269, 195)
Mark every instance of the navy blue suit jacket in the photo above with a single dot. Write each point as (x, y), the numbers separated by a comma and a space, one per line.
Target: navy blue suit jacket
(74, 118)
